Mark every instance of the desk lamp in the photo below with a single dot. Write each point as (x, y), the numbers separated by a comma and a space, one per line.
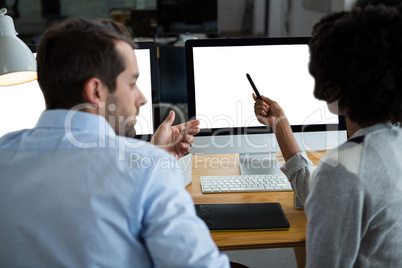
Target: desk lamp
(17, 63)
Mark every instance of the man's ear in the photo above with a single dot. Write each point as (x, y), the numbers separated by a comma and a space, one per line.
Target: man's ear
(95, 92)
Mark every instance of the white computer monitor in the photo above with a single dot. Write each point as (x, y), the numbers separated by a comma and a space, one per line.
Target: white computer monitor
(220, 95)
(21, 105)
(148, 82)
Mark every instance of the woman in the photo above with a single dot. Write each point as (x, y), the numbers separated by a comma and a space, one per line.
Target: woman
(353, 197)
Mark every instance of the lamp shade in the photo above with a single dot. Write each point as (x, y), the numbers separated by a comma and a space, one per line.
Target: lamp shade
(17, 63)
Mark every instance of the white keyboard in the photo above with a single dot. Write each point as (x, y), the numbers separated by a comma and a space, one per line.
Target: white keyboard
(245, 183)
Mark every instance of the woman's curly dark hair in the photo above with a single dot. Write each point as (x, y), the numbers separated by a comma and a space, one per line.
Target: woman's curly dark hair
(356, 59)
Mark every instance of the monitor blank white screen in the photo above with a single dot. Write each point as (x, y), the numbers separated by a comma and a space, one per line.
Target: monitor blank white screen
(280, 72)
(145, 124)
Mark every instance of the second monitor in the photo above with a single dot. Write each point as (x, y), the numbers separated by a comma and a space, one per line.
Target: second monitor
(22, 105)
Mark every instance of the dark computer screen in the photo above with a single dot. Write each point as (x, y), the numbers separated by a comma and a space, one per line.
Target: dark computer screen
(187, 16)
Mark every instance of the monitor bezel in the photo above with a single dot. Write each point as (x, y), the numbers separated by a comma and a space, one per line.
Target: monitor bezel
(191, 44)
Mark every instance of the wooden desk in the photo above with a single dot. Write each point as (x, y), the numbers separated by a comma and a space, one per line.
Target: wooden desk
(228, 165)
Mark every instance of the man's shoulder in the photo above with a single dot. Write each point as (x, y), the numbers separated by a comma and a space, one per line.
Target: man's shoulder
(140, 147)
(8, 140)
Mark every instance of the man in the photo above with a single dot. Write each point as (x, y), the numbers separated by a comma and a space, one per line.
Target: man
(73, 191)
(179, 137)
(353, 197)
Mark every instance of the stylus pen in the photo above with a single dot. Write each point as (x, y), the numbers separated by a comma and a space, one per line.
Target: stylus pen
(254, 87)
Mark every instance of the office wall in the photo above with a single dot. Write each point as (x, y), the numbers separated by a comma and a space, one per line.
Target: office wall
(31, 22)
(292, 18)
(231, 13)
(286, 17)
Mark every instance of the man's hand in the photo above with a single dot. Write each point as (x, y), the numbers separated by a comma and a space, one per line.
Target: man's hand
(267, 111)
(177, 139)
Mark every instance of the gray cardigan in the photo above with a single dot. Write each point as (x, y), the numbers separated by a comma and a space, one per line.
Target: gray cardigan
(353, 200)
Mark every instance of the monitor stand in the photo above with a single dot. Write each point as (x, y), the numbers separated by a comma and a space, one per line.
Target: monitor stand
(259, 163)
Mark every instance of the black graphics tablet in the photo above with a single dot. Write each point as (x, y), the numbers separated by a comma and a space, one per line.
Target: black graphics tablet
(243, 217)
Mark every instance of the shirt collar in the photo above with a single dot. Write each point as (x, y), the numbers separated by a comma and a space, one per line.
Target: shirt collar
(75, 121)
(373, 128)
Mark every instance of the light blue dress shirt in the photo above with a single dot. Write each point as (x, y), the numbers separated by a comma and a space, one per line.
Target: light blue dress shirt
(74, 194)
